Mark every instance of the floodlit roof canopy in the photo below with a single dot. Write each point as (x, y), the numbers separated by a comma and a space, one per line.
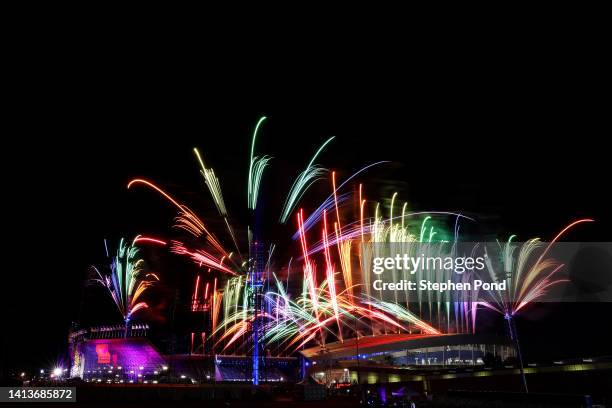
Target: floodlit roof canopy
(396, 342)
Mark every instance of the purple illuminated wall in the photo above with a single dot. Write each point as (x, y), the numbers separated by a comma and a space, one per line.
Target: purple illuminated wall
(128, 359)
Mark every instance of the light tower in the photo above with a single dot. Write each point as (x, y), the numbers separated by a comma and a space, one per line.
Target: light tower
(256, 261)
(256, 283)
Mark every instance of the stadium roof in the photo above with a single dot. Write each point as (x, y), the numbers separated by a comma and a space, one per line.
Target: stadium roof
(395, 342)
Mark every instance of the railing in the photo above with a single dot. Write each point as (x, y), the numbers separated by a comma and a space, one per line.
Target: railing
(110, 332)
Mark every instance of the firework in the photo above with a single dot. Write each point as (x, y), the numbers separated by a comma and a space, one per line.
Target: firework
(305, 179)
(527, 281)
(329, 298)
(126, 281)
(257, 166)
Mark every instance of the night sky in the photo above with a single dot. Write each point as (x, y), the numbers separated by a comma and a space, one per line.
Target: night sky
(523, 160)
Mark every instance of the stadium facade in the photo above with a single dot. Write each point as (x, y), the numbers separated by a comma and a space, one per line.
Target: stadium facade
(107, 355)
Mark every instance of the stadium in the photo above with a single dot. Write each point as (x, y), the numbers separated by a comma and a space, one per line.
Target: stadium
(105, 355)
(255, 299)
